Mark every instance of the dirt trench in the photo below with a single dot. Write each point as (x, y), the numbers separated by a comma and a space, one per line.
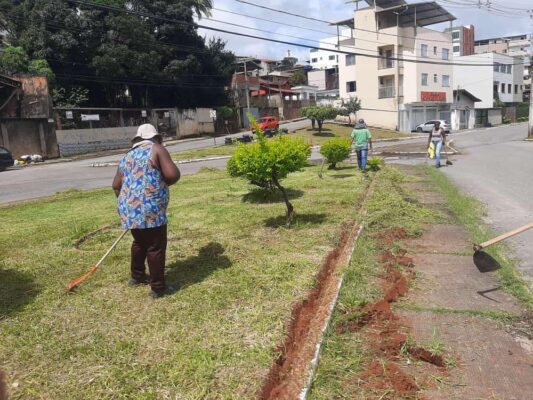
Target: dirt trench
(384, 331)
(289, 372)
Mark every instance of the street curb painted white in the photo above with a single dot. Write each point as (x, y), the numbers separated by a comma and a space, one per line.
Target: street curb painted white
(314, 362)
(192, 160)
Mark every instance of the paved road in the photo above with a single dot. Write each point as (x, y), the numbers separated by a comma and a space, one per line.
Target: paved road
(497, 168)
(45, 180)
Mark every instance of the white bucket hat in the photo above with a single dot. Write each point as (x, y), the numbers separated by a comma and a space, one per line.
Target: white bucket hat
(146, 131)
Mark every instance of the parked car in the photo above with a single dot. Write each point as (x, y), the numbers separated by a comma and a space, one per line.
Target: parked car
(269, 123)
(428, 126)
(6, 158)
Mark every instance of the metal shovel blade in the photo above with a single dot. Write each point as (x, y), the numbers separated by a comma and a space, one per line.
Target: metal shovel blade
(485, 262)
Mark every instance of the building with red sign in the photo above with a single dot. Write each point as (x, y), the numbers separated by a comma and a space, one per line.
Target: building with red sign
(410, 82)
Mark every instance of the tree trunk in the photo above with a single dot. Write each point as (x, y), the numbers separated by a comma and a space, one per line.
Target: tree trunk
(290, 208)
(313, 123)
(320, 122)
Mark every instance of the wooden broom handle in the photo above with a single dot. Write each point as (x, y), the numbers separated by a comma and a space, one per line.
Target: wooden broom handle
(111, 249)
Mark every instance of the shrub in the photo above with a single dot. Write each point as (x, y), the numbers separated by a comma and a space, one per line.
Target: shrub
(267, 162)
(349, 107)
(335, 150)
(374, 164)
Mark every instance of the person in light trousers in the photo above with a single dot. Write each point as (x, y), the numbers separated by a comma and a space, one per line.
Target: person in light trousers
(362, 138)
(438, 138)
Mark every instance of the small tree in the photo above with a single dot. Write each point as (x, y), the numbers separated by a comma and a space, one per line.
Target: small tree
(349, 107)
(267, 162)
(298, 78)
(320, 114)
(14, 60)
(335, 150)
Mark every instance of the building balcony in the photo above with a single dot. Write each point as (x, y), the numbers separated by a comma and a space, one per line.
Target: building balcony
(386, 92)
(385, 63)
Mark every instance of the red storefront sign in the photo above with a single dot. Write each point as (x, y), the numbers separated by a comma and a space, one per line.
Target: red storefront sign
(433, 96)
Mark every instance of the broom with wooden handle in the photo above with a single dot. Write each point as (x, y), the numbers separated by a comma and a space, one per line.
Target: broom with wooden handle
(73, 284)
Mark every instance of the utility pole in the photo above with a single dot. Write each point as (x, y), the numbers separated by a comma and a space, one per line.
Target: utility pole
(530, 123)
(247, 86)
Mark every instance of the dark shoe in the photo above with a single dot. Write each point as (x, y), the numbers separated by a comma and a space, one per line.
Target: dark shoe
(437, 166)
(134, 282)
(166, 292)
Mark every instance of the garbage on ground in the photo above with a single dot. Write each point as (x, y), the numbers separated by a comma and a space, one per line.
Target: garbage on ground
(29, 159)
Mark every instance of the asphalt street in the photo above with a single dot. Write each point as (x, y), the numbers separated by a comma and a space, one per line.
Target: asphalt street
(496, 167)
(45, 180)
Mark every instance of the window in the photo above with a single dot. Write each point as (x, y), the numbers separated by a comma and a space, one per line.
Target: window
(446, 80)
(435, 78)
(503, 68)
(351, 87)
(445, 54)
(515, 89)
(332, 57)
(435, 50)
(350, 59)
(424, 79)
(455, 35)
(424, 50)
(314, 50)
(456, 49)
(496, 67)
(510, 88)
(509, 68)
(314, 60)
(503, 88)
(320, 58)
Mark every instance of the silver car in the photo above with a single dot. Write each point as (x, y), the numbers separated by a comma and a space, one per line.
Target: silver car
(428, 126)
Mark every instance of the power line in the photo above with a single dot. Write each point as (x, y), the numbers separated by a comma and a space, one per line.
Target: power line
(332, 23)
(170, 20)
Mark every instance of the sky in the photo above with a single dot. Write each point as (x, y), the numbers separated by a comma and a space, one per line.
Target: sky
(487, 24)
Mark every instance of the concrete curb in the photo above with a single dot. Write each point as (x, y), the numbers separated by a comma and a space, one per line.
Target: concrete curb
(178, 162)
(314, 362)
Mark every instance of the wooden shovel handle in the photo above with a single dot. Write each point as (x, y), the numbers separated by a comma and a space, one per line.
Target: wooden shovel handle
(503, 237)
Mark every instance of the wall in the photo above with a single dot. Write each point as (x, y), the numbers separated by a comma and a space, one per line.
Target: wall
(35, 102)
(317, 78)
(29, 136)
(495, 116)
(477, 80)
(80, 141)
(179, 123)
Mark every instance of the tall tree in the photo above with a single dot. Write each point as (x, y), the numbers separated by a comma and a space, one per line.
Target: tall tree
(123, 58)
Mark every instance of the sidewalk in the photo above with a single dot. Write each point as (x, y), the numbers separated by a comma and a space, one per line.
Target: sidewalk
(486, 334)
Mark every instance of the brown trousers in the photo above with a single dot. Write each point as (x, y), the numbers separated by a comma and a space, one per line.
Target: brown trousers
(149, 245)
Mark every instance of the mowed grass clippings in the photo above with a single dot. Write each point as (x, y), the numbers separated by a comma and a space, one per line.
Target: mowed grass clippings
(344, 355)
(240, 269)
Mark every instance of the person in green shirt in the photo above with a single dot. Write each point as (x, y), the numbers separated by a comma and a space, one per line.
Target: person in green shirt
(363, 143)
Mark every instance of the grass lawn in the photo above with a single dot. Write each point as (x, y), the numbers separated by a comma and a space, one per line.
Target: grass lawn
(344, 355)
(207, 152)
(240, 270)
(335, 130)
(309, 135)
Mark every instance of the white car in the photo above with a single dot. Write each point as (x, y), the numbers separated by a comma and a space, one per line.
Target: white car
(428, 126)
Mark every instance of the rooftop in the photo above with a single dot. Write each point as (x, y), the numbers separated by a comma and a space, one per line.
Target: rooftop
(421, 14)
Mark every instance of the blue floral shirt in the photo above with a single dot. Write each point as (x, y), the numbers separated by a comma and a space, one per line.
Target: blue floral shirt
(143, 198)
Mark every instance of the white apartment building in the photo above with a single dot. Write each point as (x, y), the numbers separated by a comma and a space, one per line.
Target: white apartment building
(399, 94)
(502, 78)
(324, 59)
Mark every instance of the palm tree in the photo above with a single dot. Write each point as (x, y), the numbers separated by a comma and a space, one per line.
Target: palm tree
(202, 7)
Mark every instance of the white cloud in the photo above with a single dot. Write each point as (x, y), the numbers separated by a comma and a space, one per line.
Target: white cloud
(486, 24)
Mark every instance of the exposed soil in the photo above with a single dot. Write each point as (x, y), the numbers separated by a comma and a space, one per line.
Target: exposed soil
(288, 373)
(387, 375)
(425, 355)
(382, 328)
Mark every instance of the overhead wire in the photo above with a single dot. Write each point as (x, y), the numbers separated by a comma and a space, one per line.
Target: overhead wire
(170, 20)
